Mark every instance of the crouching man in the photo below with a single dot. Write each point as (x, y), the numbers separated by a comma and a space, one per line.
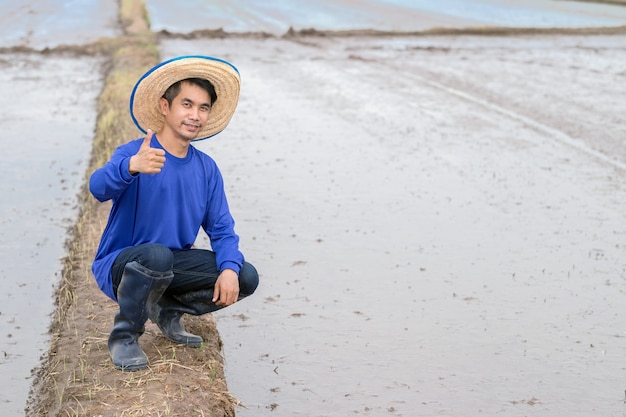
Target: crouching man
(163, 190)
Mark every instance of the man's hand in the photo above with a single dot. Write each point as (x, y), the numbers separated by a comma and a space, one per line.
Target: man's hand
(148, 160)
(226, 291)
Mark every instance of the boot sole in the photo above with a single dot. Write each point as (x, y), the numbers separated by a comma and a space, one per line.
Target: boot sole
(130, 368)
(193, 344)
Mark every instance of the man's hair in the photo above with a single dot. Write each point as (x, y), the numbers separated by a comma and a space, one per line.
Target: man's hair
(174, 89)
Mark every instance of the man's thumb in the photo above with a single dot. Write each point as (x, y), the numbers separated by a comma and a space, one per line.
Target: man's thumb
(147, 139)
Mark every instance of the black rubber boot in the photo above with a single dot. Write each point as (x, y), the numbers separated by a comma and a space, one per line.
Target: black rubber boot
(168, 311)
(139, 288)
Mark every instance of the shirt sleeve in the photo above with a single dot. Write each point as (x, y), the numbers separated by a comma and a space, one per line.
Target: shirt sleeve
(113, 178)
(219, 225)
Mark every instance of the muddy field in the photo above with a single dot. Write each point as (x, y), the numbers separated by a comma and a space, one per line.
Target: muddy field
(277, 17)
(437, 219)
(439, 224)
(48, 121)
(47, 24)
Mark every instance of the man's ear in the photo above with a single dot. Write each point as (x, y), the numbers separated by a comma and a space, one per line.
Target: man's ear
(164, 105)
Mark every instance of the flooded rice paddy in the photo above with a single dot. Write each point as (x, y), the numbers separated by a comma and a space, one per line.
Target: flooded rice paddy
(438, 221)
(48, 120)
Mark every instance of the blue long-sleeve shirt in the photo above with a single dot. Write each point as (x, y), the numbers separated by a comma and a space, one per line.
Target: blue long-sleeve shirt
(167, 208)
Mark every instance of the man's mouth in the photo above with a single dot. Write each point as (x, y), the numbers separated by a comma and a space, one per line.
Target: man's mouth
(191, 126)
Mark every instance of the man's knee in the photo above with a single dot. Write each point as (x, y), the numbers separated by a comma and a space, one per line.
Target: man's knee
(248, 279)
(156, 257)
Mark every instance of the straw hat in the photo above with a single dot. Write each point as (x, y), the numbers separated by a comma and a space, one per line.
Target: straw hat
(144, 100)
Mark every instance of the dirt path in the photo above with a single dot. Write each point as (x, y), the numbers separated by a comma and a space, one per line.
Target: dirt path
(76, 377)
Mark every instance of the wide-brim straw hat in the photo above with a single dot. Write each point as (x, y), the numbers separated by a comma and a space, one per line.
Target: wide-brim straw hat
(144, 100)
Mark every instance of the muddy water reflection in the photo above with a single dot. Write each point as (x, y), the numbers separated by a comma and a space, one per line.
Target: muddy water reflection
(48, 118)
(422, 253)
(47, 23)
(391, 15)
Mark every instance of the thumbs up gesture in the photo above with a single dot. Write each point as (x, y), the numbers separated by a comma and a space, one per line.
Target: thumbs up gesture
(147, 160)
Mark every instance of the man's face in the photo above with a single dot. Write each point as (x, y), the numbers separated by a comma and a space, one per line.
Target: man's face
(188, 113)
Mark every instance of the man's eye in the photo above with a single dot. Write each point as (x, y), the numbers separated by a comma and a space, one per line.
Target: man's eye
(205, 108)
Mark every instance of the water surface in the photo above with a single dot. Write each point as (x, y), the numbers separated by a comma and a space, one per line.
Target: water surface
(48, 121)
(49, 23)
(389, 15)
(438, 226)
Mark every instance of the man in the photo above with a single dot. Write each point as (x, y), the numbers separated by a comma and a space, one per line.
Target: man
(163, 190)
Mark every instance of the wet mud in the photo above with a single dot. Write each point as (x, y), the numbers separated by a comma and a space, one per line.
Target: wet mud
(48, 23)
(437, 221)
(239, 16)
(48, 121)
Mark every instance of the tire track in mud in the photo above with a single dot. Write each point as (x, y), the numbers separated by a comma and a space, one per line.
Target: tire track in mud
(497, 105)
(556, 134)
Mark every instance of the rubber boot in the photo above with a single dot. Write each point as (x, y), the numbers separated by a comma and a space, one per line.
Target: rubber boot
(139, 288)
(168, 311)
